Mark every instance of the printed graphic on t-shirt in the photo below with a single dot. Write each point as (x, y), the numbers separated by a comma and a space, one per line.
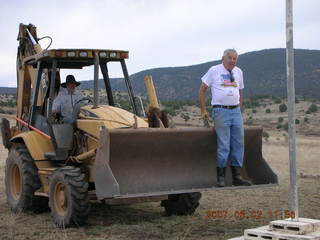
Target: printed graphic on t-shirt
(230, 93)
(227, 81)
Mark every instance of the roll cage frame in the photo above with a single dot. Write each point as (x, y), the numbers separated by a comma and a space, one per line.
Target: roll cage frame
(45, 61)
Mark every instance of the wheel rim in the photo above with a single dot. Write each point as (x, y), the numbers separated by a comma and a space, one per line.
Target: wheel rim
(16, 182)
(60, 199)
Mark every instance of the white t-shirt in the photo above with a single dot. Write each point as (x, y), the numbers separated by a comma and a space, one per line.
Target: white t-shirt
(224, 92)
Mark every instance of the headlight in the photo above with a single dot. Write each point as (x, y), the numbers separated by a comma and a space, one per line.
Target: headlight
(71, 54)
(83, 54)
(113, 54)
(102, 54)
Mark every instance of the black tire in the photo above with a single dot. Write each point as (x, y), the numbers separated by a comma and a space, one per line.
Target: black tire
(69, 197)
(181, 204)
(21, 180)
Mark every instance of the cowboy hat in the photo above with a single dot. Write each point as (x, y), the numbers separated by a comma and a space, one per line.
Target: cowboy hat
(70, 79)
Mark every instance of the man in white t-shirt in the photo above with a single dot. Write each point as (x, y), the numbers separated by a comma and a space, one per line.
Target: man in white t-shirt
(226, 83)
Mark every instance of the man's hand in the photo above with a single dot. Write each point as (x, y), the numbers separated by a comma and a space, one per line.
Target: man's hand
(56, 117)
(205, 117)
(204, 114)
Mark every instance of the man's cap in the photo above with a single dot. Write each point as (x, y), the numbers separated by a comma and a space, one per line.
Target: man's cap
(70, 79)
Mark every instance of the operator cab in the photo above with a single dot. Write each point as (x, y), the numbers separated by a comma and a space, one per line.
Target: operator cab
(51, 62)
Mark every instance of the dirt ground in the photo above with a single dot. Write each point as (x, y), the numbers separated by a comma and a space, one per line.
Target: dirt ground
(146, 221)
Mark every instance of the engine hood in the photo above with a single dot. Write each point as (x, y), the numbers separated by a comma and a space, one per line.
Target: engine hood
(111, 117)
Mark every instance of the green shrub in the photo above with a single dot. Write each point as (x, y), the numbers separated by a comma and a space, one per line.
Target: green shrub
(185, 117)
(265, 135)
(283, 107)
(255, 103)
(249, 122)
(170, 111)
(251, 103)
(297, 121)
(268, 110)
(306, 120)
(8, 103)
(280, 119)
(254, 110)
(313, 108)
(277, 101)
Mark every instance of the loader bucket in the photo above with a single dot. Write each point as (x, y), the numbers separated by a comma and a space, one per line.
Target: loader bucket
(151, 161)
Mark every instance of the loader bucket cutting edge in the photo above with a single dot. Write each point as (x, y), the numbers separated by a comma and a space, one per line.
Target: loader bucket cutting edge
(154, 161)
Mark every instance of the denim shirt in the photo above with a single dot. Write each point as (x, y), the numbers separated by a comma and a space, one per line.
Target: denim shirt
(65, 101)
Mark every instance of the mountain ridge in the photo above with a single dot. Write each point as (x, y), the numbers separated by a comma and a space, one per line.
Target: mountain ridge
(264, 75)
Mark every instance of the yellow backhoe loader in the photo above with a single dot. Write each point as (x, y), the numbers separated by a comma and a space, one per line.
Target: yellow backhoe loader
(107, 153)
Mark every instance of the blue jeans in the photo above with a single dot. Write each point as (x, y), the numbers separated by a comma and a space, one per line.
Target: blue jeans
(228, 124)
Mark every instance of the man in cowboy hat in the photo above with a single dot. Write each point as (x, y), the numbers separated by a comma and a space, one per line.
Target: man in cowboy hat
(64, 103)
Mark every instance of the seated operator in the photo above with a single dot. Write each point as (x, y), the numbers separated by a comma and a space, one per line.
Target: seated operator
(65, 102)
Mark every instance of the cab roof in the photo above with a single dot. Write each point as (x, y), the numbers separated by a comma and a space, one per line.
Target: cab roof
(75, 58)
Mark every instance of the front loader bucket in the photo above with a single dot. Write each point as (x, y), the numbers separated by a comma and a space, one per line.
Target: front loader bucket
(153, 161)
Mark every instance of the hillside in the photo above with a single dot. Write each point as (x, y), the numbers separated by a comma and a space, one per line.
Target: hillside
(8, 90)
(264, 72)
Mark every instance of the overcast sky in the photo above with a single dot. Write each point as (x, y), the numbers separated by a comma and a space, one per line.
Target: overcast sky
(156, 33)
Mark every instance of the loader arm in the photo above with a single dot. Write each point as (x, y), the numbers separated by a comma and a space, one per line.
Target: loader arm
(28, 46)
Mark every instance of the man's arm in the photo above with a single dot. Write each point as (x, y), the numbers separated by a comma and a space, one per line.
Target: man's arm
(241, 97)
(202, 99)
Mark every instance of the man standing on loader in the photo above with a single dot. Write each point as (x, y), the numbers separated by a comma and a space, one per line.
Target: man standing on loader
(226, 83)
(66, 100)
